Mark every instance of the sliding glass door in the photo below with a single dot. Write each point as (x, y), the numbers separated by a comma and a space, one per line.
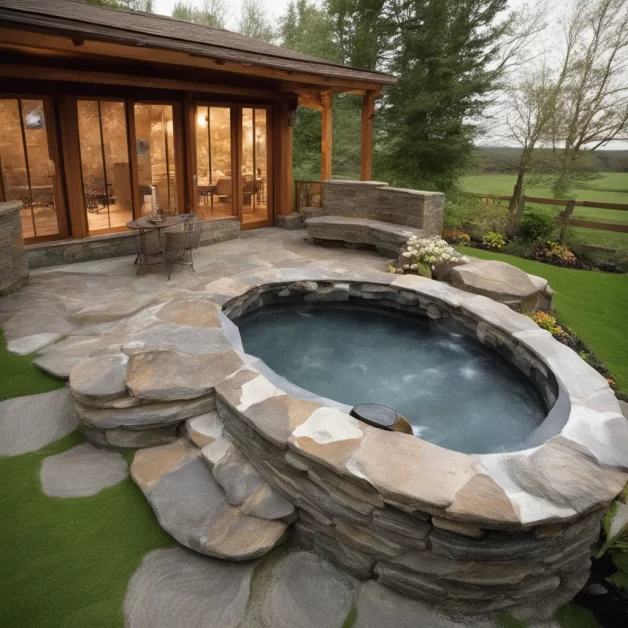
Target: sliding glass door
(214, 163)
(105, 165)
(255, 168)
(28, 166)
(155, 145)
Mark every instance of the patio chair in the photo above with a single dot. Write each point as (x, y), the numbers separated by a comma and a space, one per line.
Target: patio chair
(179, 242)
(149, 251)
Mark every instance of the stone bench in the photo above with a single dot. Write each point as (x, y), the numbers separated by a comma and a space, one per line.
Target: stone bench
(386, 237)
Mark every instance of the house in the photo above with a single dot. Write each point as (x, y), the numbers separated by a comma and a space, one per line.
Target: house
(106, 116)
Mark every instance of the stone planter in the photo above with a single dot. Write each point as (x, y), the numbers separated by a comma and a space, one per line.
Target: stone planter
(13, 260)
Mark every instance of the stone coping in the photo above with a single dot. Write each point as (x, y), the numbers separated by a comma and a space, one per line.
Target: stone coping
(578, 465)
(166, 363)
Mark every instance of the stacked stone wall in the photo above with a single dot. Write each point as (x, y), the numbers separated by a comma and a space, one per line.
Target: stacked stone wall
(13, 261)
(377, 201)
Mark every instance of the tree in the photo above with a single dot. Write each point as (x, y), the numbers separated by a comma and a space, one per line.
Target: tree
(593, 109)
(531, 110)
(444, 53)
(211, 13)
(254, 22)
(127, 5)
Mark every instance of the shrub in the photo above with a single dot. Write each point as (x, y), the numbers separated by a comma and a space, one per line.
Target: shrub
(494, 240)
(457, 237)
(421, 255)
(469, 214)
(520, 248)
(536, 226)
(555, 253)
(549, 323)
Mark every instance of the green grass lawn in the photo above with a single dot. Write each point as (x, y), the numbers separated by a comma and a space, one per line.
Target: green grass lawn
(612, 187)
(64, 563)
(593, 304)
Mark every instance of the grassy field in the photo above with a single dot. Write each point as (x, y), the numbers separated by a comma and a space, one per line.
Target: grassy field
(593, 304)
(612, 187)
(65, 562)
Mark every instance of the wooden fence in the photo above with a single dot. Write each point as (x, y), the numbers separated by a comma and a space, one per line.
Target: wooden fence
(564, 219)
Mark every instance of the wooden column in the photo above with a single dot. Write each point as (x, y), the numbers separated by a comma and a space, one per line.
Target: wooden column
(326, 135)
(282, 158)
(368, 113)
(189, 142)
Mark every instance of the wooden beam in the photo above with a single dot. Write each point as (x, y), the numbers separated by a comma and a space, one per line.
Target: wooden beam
(282, 150)
(176, 57)
(326, 136)
(311, 102)
(70, 148)
(368, 113)
(82, 76)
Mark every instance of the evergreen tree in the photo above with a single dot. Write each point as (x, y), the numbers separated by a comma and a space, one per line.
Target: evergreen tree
(126, 5)
(444, 53)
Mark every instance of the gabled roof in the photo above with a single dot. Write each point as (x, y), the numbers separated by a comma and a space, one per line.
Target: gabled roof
(77, 19)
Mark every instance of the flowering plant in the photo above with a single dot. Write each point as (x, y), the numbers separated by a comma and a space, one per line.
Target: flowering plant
(429, 251)
(494, 240)
(555, 253)
(549, 323)
(455, 236)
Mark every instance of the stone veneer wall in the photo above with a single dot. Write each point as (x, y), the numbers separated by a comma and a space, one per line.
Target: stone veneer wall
(472, 566)
(13, 261)
(376, 201)
(115, 245)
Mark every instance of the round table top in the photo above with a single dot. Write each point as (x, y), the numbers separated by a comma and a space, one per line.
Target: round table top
(144, 223)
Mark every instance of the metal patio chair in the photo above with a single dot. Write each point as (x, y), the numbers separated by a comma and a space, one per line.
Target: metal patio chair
(179, 242)
(149, 250)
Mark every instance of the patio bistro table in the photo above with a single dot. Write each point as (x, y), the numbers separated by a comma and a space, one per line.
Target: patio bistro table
(149, 249)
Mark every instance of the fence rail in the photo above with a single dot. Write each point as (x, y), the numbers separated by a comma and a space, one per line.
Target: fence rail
(564, 219)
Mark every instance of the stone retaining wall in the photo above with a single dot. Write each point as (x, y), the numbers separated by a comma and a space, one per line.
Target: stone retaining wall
(13, 262)
(376, 201)
(115, 245)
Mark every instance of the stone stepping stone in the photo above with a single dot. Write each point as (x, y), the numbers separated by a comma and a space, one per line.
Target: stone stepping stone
(305, 590)
(176, 587)
(81, 471)
(32, 422)
(60, 358)
(30, 344)
(204, 429)
(378, 606)
(192, 508)
(242, 483)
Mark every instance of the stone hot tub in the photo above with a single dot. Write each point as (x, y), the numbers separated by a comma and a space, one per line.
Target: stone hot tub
(472, 532)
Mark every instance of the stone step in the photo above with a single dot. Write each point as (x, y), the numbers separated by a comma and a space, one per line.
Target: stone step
(242, 483)
(191, 506)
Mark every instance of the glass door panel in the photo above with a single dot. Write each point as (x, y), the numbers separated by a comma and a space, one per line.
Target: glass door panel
(27, 170)
(254, 166)
(213, 162)
(105, 168)
(155, 146)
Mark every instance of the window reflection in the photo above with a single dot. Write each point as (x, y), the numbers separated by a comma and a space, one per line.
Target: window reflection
(154, 139)
(26, 167)
(213, 162)
(254, 165)
(105, 164)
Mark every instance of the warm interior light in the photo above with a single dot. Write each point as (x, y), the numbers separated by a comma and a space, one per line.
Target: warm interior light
(201, 120)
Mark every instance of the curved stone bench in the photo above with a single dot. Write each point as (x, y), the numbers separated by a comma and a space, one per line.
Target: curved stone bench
(386, 237)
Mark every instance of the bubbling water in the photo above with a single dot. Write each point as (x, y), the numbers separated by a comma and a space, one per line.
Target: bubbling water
(455, 392)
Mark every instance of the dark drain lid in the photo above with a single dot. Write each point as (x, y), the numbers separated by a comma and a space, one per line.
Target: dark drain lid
(376, 415)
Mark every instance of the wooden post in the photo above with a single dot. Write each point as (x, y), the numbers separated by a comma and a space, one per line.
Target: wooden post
(282, 151)
(191, 181)
(368, 113)
(326, 136)
(566, 215)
